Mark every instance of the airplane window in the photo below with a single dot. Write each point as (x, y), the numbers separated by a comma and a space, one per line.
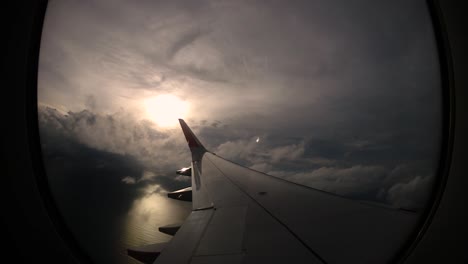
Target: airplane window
(340, 96)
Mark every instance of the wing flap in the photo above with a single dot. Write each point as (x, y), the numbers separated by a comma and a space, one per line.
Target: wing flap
(180, 249)
(146, 253)
(182, 194)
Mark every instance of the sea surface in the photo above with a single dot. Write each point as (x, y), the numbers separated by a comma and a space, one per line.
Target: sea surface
(105, 214)
(104, 234)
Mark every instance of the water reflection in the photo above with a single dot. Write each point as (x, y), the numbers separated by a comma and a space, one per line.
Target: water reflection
(147, 214)
(105, 214)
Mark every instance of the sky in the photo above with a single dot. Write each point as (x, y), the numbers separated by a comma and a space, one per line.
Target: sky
(337, 95)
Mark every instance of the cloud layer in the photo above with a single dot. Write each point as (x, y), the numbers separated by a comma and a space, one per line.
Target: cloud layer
(344, 97)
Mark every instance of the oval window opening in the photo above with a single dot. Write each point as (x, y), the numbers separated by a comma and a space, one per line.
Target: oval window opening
(342, 98)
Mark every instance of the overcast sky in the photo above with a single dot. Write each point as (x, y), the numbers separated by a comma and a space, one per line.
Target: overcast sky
(343, 96)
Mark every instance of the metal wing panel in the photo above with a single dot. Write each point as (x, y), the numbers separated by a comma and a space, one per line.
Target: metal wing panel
(339, 230)
(180, 249)
(240, 226)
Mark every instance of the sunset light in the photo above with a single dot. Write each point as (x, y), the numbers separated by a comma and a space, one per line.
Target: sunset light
(165, 110)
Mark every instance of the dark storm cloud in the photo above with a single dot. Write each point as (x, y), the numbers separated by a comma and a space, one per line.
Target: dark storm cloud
(74, 170)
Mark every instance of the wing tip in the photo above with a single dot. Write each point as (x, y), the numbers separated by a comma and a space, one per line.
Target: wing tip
(192, 140)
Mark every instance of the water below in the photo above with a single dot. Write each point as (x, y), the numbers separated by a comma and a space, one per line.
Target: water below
(105, 233)
(105, 214)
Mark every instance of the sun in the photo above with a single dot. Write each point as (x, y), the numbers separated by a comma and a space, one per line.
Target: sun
(165, 110)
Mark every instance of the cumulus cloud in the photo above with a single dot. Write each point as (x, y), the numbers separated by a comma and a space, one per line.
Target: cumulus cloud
(289, 152)
(161, 151)
(352, 181)
(410, 194)
(151, 156)
(394, 183)
(152, 188)
(129, 180)
(252, 151)
(239, 149)
(147, 175)
(397, 187)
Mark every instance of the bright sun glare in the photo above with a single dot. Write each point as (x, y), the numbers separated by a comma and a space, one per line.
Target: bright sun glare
(165, 110)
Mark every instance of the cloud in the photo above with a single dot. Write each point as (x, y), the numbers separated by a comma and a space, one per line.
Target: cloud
(338, 92)
(121, 134)
(410, 195)
(252, 153)
(400, 187)
(289, 152)
(129, 180)
(383, 180)
(152, 189)
(239, 149)
(353, 181)
(183, 42)
(147, 175)
(77, 158)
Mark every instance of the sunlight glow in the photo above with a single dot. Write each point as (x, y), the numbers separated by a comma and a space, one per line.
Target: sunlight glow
(165, 110)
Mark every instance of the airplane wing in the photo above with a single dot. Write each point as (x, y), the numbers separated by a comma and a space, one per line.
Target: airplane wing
(244, 216)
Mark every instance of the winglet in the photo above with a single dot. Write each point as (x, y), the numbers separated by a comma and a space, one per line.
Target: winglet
(192, 140)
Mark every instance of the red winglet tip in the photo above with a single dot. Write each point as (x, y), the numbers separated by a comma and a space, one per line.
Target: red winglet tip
(192, 140)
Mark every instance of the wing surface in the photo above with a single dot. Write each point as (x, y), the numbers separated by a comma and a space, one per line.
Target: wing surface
(245, 216)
